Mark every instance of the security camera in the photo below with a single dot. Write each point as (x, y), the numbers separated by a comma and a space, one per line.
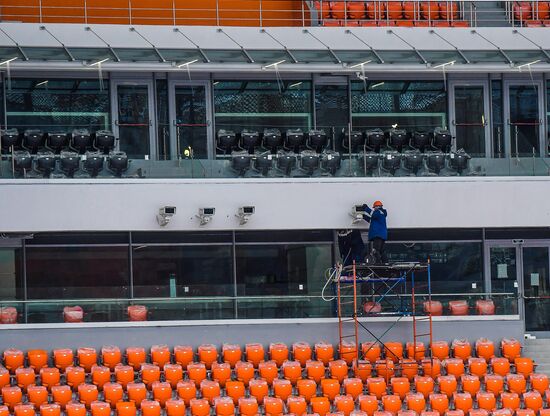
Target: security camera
(245, 213)
(357, 213)
(165, 215)
(205, 215)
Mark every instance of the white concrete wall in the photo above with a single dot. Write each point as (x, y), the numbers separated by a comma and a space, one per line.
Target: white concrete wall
(86, 205)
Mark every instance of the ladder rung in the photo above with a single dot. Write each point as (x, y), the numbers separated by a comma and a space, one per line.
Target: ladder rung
(347, 336)
(427, 318)
(347, 303)
(422, 335)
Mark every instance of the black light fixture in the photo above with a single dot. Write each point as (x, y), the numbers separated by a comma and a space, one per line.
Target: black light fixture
(317, 140)
(370, 162)
(22, 161)
(69, 163)
(250, 140)
(459, 161)
(104, 141)
(117, 162)
(93, 163)
(391, 161)
(294, 140)
(272, 140)
(80, 141)
(331, 161)
(353, 141)
(33, 139)
(374, 139)
(226, 141)
(420, 140)
(263, 162)
(413, 160)
(286, 162)
(240, 162)
(56, 141)
(45, 163)
(435, 161)
(309, 161)
(442, 139)
(397, 138)
(10, 139)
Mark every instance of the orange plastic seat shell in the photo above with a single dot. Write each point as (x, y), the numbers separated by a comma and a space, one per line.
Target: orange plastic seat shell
(111, 356)
(385, 369)
(486, 400)
(196, 372)
(11, 396)
(100, 376)
(235, 390)
(409, 368)
(269, 371)
(112, 393)
(533, 400)
(221, 372)
(524, 366)
(376, 10)
(320, 405)
(37, 359)
(429, 10)
(447, 385)
(400, 386)
(87, 357)
(207, 354)
(99, 408)
(160, 355)
(231, 353)
(377, 387)
(292, 370)
(440, 349)
(324, 352)
(415, 402)
(127, 409)
(338, 369)
(525, 412)
(244, 371)
(353, 387)
(391, 403)
(183, 355)
(187, 390)
(330, 388)
(301, 351)
(494, 383)
(416, 352)
(4, 377)
(485, 307)
(137, 392)
(424, 385)
(362, 369)
(259, 389)
(434, 307)
(75, 409)
(255, 353)
(356, 10)
(348, 352)
(516, 383)
(368, 403)
(477, 366)
(63, 358)
(13, 359)
(50, 376)
(199, 407)
(539, 382)
(24, 410)
(510, 401)
(210, 390)
(162, 391)
(278, 352)
(282, 388)
(173, 374)
(306, 388)
(463, 401)
(448, 10)
(372, 351)
(248, 406)
(296, 405)
(481, 412)
(224, 406)
(273, 406)
(393, 351)
(37, 395)
(456, 412)
(454, 366)
(315, 370)
(25, 376)
(135, 356)
(150, 408)
(485, 349)
(62, 395)
(500, 366)
(344, 404)
(87, 393)
(470, 384)
(75, 376)
(461, 349)
(510, 348)
(439, 403)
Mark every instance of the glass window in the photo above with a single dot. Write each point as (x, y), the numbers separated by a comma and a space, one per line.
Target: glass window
(58, 104)
(221, 56)
(163, 120)
(268, 57)
(410, 105)
(285, 269)
(311, 56)
(441, 57)
(11, 278)
(332, 109)
(548, 117)
(135, 55)
(524, 57)
(46, 54)
(77, 272)
(91, 54)
(9, 53)
(454, 266)
(181, 55)
(257, 105)
(498, 124)
(357, 57)
(181, 271)
(476, 57)
(400, 57)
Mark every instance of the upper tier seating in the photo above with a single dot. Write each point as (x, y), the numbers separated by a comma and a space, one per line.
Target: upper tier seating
(256, 379)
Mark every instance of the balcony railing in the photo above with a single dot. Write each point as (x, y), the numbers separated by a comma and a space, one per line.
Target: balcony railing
(266, 13)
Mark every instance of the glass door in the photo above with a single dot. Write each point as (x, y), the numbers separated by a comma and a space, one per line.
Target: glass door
(190, 112)
(536, 283)
(134, 117)
(501, 270)
(523, 108)
(470, 117)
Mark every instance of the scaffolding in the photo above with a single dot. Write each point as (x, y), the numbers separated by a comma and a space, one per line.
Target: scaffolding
(392, 284)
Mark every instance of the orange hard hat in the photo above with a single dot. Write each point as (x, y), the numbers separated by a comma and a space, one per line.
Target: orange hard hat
(377, 204)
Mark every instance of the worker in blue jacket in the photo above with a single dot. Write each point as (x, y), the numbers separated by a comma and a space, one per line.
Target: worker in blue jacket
(378, 230)
(351, 246)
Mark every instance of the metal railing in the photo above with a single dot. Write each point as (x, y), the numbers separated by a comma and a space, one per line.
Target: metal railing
(265, 13)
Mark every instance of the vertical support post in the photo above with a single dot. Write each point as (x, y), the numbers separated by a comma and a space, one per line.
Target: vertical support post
(25, 291)
(430, 300)
(355, 322)
(174, 12)
(130, 11)
(40, 11)
(217, 12)
(130, 265)
(85, 12)
(261, 13)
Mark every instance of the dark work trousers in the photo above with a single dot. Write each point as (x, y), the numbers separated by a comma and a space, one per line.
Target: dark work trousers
(378, 244)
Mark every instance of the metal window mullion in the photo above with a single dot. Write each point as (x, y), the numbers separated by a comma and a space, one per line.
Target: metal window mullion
(130, 266)
(24, 265)
(234, 252)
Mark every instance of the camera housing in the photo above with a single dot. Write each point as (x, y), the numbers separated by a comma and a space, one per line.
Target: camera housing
(165, 215)
(245, 213)
(206, 215)
(357, 212)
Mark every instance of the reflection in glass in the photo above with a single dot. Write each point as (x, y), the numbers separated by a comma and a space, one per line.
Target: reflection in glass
(536, 285)
(286, 269)
(77, 272)
(133, 120)
(191, 121)
(524, 120)
(498, 123)
(181, 271)
(11, 278)
(332, 110)
(470, 119)
(503, 269)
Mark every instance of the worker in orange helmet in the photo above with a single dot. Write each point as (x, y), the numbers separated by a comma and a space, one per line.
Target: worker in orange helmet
(378, 230)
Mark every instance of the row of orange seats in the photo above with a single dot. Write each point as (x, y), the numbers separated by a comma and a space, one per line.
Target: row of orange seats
(391, 10)
(255, 354)
(460, 307)
(402, 23)
(151, 398)
(531, 10)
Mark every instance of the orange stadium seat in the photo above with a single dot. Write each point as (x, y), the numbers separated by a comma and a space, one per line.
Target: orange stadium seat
(282, 388)
(136, 356)
(458, 307)
(244, 371)
(273, 406)
(24, 377)
(323, 8)
(338, 370)
(196, 372)
(330, 388)
(137, 392)
(259, 389)
(183, 355)
(301, 352)
(368, 403)
(485, 349)
(346, 404)
(470, 384)
(448, 10)
(377, 386)
(356, 9)
(37, 359)
(296, 405)
(494, 383)
(415, 402)
(462, 349)
(393, 351)
(424, 385)
(269, 371)
(376, 10)
(510, 348)
(137, 313)
(372, 351)
(395, 10)
(128, 409)
(463, 401)
(50, 409)
(416, 351)
(8, 315)
(101, 375)
(486, 400)
(278, 352)
(431, 367)
(187, 390)
(113, 393)
(434, 307)
(99, 408)
(50, 376)
(315, 370)
(13, 359)
(173, 373)
(510, 400)
(447, 385)
(160, 355)
(87, 393)
(162, 391)
(306, 388)
(248, 406)
(324, 352)
(362, 369)
(353, 387)
(62, 395)
(320, 405)
(533, 400)
(391, 403)
(87, 357)
(111, 356)
(231, 353)
(522, 10)
(429, 10)
(485, 307)
(292, 371)
(255, 353)
(439, 403)
(235, 390)
(477, 366)
(75, 376)
(24, 410)
(348, 352)
(199, 407)
(224, 406)
(500, 366)
(37, 395)
(454, 366)
(63, 358)
(12, 396)
(524, 366)
(75, 409)
(385, 369)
